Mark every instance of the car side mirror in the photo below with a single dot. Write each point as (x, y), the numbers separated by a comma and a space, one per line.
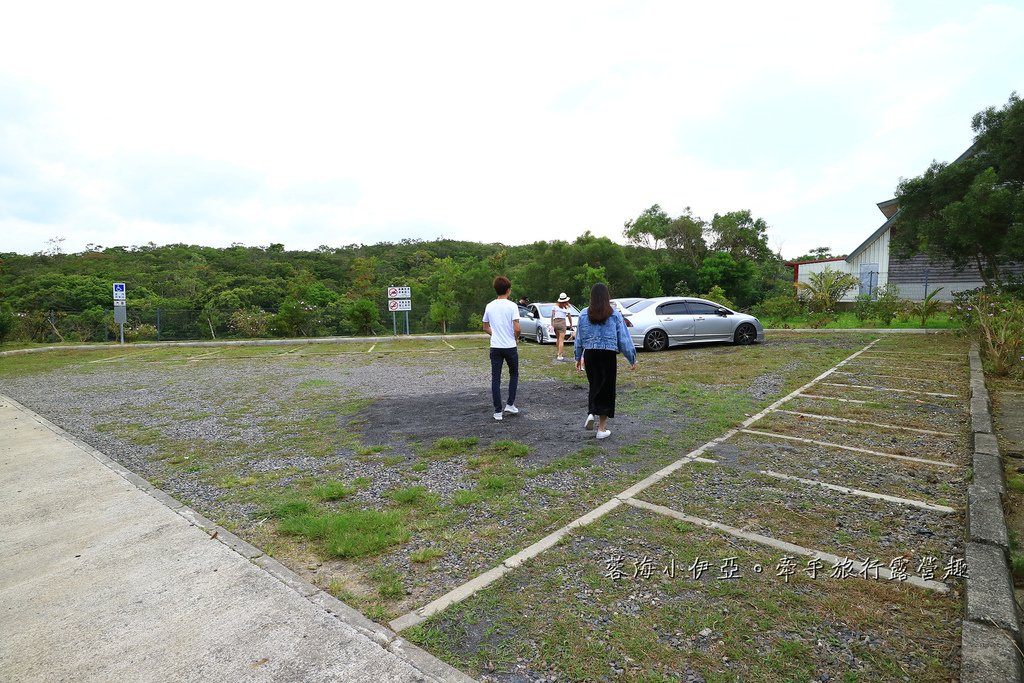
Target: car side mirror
(723, 311)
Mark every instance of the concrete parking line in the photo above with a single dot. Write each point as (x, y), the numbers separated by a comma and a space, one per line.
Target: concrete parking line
(924, 505)
(832, 398)
(774, 435)
(872, 374)
(882, 425)
(883, 356)
(890, 389)
(883, 572)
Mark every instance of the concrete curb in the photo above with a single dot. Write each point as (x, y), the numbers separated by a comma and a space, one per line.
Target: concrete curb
(991, 634)
(433, 669)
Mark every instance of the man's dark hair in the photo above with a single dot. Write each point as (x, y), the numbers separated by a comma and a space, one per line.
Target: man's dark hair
(600, 308)
(501, 285)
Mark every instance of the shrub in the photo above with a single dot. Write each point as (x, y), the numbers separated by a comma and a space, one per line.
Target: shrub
(998, 322)
(250, 322)
(927, 308)
(779, 308)
(717, 294)
(819, 320)
(824, 289)
(887, 302)
(864, 308)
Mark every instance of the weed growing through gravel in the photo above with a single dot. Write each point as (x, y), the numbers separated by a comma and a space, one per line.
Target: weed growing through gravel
(334, 490)
(349, 534)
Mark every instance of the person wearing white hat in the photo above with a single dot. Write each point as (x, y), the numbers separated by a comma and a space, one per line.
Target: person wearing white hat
(561, 320)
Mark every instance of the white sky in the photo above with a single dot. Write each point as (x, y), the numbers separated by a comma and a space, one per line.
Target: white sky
(359, 122)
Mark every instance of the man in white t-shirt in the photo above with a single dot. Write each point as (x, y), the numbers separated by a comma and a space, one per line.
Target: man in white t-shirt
(501, 321)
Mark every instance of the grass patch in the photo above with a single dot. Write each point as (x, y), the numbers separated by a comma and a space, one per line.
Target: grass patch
(497, 483)
(349, 534)
(512, 449)
(414, 495)
(1015, 483)
(581, 459)
(466, 498)
(287, 506)
(424, 555)
(447, 447)
(333, 490)
(388, 582)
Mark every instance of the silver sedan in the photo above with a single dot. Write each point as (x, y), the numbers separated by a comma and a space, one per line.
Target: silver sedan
(669, 321)
(535, 323)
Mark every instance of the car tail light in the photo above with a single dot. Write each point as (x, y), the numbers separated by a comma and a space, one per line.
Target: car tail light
(628, 324)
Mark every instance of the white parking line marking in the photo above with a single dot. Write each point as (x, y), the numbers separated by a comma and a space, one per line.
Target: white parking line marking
(832, 398)
(899, 377)
(899, 355)
(111, 359)
(774, 435)
(448, 345)
(372, 347)
(899, 391)
(880, 351)
(862, 422)
(883, 572)
(204, 355)
(924, 505)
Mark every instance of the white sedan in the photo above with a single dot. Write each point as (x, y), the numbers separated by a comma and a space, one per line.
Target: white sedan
(535, 323)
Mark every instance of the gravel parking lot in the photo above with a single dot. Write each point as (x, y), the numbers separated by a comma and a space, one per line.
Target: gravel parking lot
(272, 442)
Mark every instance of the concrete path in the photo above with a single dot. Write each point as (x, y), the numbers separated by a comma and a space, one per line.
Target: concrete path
(103, 578)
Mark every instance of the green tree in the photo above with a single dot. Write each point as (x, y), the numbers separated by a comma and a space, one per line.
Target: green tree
(7, 321)
(444, 305)
(735, 277)
(970, 211)
(363, 316)
(742, 235)
(649, 229)
(685, 238)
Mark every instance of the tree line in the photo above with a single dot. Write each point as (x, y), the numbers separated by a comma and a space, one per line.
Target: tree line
(272, 291)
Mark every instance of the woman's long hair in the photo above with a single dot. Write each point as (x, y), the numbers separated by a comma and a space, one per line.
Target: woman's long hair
(600, 308)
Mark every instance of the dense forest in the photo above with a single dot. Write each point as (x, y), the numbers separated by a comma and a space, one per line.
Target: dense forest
(185, 291)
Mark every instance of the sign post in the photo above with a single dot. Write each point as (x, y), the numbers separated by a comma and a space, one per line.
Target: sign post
(399, 299)
(120, 307)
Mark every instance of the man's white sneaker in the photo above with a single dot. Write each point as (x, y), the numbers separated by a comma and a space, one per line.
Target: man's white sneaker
(605, 434)
(589, 424)
(511, 410)
(498, 416)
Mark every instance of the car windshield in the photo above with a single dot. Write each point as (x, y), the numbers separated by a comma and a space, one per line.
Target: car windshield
(545, 310)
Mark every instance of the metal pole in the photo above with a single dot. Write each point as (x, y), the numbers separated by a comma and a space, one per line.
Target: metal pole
(394, 323)
(407, 323)
(122, 332)
(925, 285)
(158, 323)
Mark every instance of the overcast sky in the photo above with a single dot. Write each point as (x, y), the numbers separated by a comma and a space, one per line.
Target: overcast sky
(337, 123)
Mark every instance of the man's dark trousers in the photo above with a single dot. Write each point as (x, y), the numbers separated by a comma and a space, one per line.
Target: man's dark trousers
(499, 356)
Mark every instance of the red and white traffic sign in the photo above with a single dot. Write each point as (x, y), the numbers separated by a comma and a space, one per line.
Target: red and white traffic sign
(400, 305)
(399, 293)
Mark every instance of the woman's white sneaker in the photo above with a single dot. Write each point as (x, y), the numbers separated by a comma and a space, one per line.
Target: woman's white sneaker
(589, 424)
(605, 434)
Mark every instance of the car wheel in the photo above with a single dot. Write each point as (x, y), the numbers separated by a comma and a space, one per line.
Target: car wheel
(540, 336)
(745, 334)
(656, 340)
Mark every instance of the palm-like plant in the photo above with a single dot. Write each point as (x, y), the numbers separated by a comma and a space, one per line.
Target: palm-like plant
(927, 308)
(824, 289)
